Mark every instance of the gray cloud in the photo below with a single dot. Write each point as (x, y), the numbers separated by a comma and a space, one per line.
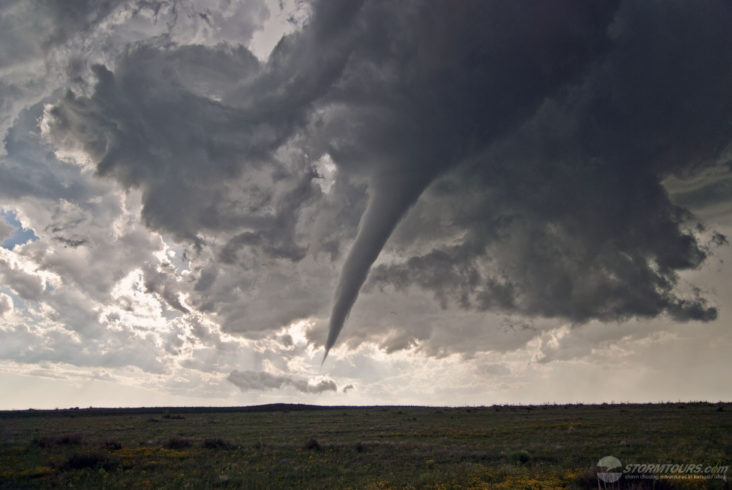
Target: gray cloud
(117, 349)
(6, 230)
(260, 380)
(162, 280)
(567, 216)
(411, 320)
(96, 311)
(27, 286)
(494, 370)
(711, 188)
(202, 148)
(31, 170)
(74, 16)
(6, 304)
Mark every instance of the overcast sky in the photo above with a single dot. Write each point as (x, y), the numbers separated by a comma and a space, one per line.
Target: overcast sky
(472, 202)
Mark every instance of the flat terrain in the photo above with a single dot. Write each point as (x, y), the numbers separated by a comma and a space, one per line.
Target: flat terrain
(296, 446)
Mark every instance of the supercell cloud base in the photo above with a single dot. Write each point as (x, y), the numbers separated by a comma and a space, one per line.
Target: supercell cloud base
(457, 203)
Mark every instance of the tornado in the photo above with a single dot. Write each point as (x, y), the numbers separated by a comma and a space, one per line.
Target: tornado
(456, 87)
(389, 202)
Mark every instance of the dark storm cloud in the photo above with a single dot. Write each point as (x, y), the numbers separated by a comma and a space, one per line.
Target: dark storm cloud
(529, 139)
(433, 84)
(146, 129)
(567, 217)
(201, 147)
(260, 380)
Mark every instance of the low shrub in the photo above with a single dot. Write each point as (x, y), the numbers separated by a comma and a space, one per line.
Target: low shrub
(521, 456)
(112, 445)
(312, 445)
(48, 440)
(177, 443)
(80, 461)
(217, 444)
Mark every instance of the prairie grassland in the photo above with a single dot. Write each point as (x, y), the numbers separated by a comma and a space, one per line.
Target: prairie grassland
(290, 446)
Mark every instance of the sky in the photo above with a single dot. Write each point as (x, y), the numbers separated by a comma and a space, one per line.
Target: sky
(364, 202)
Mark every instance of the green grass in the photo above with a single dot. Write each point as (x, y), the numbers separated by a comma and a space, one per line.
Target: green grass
(358, 447)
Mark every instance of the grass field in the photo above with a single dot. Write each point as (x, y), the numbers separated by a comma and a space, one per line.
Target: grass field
(295, 446)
